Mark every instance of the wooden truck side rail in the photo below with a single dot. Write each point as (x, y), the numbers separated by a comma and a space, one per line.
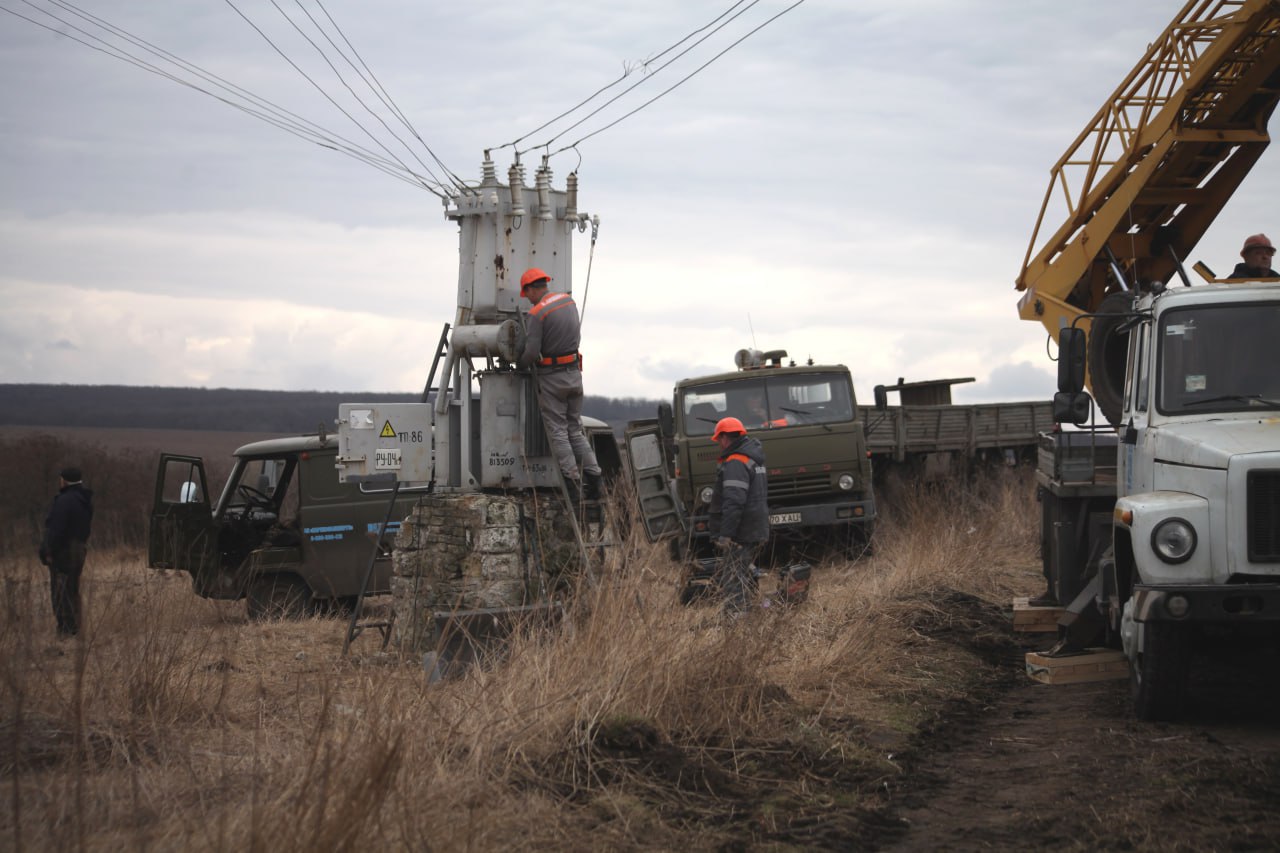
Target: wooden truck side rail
(901, 431)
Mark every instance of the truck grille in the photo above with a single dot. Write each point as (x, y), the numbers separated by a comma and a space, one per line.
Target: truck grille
(796, 485)
(1264, 516)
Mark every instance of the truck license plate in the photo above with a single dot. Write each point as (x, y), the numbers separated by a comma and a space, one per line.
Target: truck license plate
(785, 518)
(387, 459)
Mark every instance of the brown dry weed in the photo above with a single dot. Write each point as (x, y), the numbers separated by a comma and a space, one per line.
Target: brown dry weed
(173, 722)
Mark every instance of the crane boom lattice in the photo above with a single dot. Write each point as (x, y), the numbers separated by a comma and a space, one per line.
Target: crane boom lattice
(1159, 160)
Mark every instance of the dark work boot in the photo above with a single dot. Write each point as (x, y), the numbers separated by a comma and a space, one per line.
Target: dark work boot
(591, 485)
(574, 488)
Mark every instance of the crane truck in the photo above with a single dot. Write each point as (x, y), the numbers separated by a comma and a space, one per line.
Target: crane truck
(1161, 528)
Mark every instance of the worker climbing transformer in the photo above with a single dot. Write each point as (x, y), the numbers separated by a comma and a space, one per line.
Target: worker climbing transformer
(495, 440)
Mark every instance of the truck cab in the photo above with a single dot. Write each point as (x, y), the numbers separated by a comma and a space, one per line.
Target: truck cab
(1196, 515)
(807, 419)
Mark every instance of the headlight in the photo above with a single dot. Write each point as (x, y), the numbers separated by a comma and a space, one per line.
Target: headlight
(705, 494)
(845, 482)
(1174, 540)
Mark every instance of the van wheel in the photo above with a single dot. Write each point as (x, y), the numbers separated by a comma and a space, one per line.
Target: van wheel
(278, 597)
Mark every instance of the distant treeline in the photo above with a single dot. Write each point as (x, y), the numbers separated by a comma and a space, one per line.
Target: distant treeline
(221, 409)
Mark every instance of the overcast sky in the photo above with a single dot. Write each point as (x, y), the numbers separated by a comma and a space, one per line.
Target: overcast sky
(855, 183)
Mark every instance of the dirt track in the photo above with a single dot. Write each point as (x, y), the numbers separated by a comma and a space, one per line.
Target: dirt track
(1062, 767)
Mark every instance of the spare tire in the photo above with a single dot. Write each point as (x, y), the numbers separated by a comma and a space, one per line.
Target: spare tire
(1108, 352)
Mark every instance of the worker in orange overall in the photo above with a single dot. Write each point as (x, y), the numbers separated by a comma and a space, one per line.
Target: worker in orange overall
(739, 511)
(553, 334)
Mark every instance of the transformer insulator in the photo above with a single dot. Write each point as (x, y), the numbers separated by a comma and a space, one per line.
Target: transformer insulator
(571, 206)
(515, 176)
(543, 184)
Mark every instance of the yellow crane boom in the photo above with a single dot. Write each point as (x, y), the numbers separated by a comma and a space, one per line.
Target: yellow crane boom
(1151, 171)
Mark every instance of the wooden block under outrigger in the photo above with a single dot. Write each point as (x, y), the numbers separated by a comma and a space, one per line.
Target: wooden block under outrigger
(1089, 665)
(1030, 619)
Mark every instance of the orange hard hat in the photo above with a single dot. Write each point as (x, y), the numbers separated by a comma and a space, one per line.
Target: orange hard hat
(1258, 241)
(726, 425)
(532, 276)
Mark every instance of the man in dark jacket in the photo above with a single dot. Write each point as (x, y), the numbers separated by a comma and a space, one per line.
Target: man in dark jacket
(66, 531)
(1257, 254)
(739, 512)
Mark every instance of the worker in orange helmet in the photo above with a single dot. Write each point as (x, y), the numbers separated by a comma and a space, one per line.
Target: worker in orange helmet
(1257, 254)
(553, 334)
(739, 512)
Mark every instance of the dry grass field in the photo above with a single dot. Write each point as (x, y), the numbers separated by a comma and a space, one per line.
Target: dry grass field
(172, 722)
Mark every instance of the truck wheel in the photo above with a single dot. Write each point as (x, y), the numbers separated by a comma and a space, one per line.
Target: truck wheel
(1158, 671)
(278, 597)
(1108, 352)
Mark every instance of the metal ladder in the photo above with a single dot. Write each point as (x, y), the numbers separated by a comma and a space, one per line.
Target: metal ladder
(355, 627)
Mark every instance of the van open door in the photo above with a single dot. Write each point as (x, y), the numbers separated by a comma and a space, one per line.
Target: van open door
(661, 513)
(183, 534)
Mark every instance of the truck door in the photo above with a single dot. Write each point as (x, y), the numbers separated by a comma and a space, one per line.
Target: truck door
(182, 534)
(661, 513)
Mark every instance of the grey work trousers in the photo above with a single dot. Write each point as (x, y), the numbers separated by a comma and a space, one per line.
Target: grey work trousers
(560, 398)
(735, 577)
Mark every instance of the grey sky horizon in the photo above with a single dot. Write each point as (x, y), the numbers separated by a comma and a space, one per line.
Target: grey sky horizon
(855, 183)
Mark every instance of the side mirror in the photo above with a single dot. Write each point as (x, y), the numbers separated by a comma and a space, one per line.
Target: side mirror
(1071, 407)
(1072, 354)
(882, 398)
(666, 420)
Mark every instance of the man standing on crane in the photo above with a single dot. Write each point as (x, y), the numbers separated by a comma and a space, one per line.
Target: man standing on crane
(739, 511)
(551, 348)
(1257, 254)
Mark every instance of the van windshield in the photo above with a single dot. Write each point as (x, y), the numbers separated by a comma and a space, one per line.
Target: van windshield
(768, 402)
(260, 488)
(1220, 358)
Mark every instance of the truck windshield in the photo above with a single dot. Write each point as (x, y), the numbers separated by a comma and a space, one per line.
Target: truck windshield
(768, 402)
(1220, 358)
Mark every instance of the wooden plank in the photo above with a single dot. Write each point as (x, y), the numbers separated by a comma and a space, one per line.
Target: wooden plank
(1091, 665)
(1034, 620)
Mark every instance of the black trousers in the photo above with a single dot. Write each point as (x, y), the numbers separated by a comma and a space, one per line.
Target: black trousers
(64, 587)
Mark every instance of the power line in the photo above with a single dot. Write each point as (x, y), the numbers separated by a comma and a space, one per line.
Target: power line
(626, 72)
(237, 97)
(385, 96)
(321, 90)
(677, 85)
(307, 130)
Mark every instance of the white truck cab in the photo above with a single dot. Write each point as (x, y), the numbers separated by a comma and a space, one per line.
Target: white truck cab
(1196, 519)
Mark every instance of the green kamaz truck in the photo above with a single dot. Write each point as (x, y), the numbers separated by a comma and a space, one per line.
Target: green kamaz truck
(806, 417)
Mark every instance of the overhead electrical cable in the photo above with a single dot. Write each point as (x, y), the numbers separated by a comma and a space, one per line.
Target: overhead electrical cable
(343, 80)
(312, 131)
(386, 98)
(651, 75)
(249, 103)
(678, 84)
(329, 98)
(627, 71)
